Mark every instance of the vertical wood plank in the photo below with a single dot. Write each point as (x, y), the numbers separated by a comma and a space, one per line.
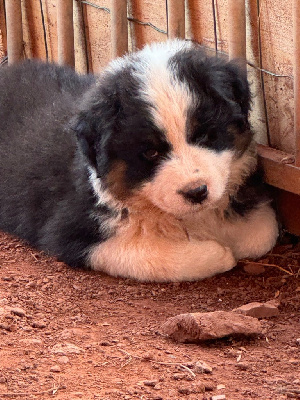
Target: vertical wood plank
(296, 73)
(119, 28)
(176, 19)
(14, 31)
(237, 29)
(65, 32)
(3, 28)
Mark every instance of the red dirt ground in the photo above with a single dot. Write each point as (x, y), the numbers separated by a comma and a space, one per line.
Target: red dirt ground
(74, 334)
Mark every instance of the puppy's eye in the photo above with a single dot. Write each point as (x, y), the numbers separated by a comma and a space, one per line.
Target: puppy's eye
(151, 154)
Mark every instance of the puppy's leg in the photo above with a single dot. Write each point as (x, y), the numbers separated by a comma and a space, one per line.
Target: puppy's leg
(254, 235)
(157, 259)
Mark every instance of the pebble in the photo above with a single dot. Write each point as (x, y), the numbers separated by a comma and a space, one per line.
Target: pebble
(38, 324)
(218, 397)
(66, 348)
(184, 390)
(150, 383)
(254, 269)
(55, 368)
(258, 310)
(202, 367)
(18, 311)
(242, 366)
(63, 360)
(220, 387)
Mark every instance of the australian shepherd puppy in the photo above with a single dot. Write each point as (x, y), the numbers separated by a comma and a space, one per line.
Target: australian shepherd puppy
(148, 171)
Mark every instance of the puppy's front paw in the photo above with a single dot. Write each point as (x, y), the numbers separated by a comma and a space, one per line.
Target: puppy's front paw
(228, 261)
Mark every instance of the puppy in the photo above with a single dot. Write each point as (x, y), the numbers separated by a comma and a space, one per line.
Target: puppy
(148, 171)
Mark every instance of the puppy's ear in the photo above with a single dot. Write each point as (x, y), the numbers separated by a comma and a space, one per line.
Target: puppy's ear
(240, 85)
(84, 128)
(232, 84)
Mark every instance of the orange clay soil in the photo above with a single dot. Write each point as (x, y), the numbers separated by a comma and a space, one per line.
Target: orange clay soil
(72, 334)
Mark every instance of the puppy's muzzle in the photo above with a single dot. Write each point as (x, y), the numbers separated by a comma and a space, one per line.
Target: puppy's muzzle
(196, 195)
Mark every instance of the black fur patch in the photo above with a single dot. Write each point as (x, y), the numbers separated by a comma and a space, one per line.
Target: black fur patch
(223, 100)
(116, 125)
(250, 195)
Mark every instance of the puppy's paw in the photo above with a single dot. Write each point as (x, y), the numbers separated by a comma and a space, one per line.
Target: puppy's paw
(228, 261)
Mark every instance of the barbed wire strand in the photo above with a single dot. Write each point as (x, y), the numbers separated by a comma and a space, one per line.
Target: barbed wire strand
(44, 30)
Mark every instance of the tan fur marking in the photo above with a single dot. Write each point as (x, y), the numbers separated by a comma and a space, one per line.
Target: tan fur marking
(116, 181)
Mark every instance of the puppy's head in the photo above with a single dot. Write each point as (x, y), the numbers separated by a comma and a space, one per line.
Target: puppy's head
(168, 125)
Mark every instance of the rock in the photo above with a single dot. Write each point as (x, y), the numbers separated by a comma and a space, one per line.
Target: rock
(254, 269)
(259, 310)
(242, 366)
(195, 327)
(202, 368)
(18, 311)
(55, 368)
(220, 387)
(63, 360)
(66, 348)
(184, 390)
(218, 397)
(150, 383)
(38, 324)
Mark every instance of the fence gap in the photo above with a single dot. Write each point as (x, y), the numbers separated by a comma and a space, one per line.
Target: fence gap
(14, 31)
(176, 19)
(65, 32)
(119, 28)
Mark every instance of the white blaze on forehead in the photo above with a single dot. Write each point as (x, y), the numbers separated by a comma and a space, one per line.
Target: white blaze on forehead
(171, 101)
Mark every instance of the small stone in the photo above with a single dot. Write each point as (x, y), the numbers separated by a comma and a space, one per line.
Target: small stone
(179, 376)
(63, 360)
(184, 390)
(55, 368)
(258, 310)
(66, 348)
(18, 311)
(2, 379)
(202, 368)
(150, 383)
(298, 341)
(220, 387)
(38, 324)
(218, 397)
(242, 366)
(254, 269)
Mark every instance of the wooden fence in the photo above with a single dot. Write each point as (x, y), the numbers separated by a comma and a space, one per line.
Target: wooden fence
(87, 34)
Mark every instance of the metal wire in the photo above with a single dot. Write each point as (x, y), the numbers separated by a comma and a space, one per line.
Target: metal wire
(130, 19)
(44, 30)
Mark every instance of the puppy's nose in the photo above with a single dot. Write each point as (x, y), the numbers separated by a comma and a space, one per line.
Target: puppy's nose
(197, 195)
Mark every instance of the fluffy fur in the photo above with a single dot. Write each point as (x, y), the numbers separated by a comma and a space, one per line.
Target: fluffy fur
(148, 171)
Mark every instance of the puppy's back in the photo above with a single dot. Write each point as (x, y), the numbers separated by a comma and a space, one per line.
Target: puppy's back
(37, 152)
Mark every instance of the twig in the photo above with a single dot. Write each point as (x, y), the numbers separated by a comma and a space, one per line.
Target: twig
(270, 265)
(158, 362)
